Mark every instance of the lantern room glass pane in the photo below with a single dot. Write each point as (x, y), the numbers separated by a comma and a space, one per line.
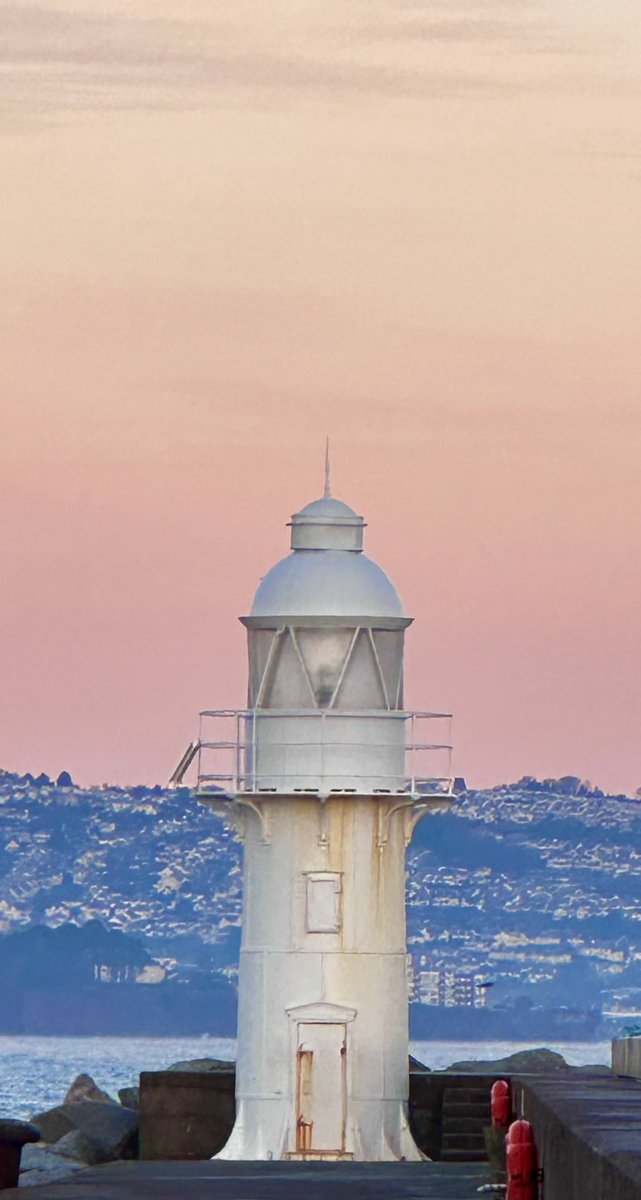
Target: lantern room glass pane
(361, 685)
(389, 648)
(259, 642)
(287, 685)
(324, 652)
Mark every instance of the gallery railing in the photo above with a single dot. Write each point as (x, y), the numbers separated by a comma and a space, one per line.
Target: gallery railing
(230, 742)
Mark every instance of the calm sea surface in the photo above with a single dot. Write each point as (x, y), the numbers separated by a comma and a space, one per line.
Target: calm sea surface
(35, 1072)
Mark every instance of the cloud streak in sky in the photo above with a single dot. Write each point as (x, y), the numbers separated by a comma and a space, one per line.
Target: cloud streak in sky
(54, 61)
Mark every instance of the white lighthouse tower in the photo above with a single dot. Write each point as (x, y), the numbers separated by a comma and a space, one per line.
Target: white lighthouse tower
(326, 800)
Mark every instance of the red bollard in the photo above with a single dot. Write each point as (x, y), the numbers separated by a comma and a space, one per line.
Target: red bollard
(520, 1153)
(501, 1103)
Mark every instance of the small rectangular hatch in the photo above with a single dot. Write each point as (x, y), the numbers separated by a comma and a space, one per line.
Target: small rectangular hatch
(324, 907)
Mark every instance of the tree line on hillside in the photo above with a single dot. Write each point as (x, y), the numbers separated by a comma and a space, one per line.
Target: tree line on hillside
(83, 980)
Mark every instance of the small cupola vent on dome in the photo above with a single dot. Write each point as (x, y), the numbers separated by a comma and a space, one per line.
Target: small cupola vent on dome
(327, 524)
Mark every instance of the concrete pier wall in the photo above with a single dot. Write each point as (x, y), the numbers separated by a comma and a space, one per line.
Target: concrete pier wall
(587, 1130)
(190, 1114)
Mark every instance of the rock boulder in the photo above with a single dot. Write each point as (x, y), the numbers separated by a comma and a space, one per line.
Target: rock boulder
(113, 1127)
(535, 1062)
(40, 1165)
(202, 1064)
(81, 1148)
(53, 1123)
(130, 1097)
(86, 1088)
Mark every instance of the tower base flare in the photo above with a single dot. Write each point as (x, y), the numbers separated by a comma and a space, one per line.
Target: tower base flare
(261, 1135)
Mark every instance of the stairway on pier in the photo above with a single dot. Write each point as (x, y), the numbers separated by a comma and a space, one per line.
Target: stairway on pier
(466, 1112)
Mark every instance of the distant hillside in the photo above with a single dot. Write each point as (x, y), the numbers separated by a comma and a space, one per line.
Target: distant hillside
(538, 885)
(533, 886)
(92, 980)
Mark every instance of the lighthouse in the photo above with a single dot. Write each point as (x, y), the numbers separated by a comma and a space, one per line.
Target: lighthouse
(324, 790)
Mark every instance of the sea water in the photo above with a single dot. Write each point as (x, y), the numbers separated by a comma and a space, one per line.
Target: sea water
(35, 1072)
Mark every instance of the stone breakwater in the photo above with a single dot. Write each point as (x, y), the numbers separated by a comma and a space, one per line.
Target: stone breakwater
(88, 1128)
(91, 1126)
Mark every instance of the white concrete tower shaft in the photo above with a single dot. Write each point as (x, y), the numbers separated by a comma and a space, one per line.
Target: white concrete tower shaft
(326, 808)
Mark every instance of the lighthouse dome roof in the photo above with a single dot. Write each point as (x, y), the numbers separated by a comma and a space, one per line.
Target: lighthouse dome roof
(332, 583)
(327, 574)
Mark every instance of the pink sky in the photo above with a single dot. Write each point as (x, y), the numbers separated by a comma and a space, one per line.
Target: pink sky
(413, 225)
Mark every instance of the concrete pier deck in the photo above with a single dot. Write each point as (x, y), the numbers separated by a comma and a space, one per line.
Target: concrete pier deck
(265, 1181)
(587, 1129)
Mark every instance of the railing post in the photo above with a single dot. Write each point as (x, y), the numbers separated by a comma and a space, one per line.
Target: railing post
(412, 754)
(237, 755)
(254, 720)
(200, 749)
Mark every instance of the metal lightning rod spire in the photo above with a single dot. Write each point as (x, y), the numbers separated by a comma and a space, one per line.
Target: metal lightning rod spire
(328, 473)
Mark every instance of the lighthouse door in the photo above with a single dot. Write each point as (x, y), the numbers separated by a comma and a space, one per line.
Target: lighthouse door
(321, 1099)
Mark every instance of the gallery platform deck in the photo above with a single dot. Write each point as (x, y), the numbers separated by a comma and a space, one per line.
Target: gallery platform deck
(265, 1181)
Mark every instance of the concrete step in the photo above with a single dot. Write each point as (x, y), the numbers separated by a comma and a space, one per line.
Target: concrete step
(466, 1111)
(467, 1123)
(465, 1095)
(461, 1156)
(466, 1108)
(463, 1141)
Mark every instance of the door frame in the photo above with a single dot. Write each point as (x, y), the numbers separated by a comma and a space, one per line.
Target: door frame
(321, 1013)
